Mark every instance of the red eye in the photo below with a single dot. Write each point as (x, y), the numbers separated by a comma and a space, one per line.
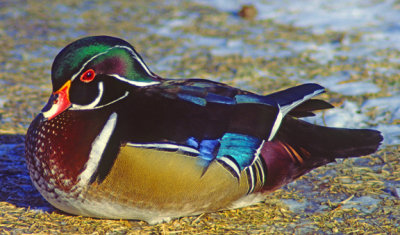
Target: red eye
(88, 75)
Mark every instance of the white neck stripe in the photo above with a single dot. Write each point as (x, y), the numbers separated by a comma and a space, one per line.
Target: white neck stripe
(98, 147)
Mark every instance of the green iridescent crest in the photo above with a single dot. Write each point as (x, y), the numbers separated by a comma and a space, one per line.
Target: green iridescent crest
(123, 62)
(120, 57)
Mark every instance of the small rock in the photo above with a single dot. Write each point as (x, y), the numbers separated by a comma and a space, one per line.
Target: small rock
(248, 12)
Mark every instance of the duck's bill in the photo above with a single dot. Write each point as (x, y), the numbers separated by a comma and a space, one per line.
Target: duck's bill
(58, 102)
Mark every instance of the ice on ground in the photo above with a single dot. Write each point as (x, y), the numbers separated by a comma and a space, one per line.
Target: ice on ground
(347, 115)
(295, 205)
(388, 109)
(391, 133)
(355, 88)
(364, 203)
(385, 104)
(337, 83)
(332, 80)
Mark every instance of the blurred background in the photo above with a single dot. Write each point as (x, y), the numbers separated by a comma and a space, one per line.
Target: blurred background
(350, 47)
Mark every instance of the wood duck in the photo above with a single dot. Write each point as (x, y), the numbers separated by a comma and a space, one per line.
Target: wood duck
(115, 140)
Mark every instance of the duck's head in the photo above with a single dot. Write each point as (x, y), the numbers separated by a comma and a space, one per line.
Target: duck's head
(94, 72)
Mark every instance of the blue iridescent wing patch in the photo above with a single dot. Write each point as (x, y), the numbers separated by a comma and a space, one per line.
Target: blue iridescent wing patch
(234, 151)
(238, 150)
(241, 147)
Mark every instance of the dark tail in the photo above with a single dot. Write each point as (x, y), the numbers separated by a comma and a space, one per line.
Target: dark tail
(300, 147)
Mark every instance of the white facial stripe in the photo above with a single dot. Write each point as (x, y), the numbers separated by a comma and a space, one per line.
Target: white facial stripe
(98, 147)
(138, 59)
(94, 102)
(135, 83)
(166, 146)
(135, 56)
